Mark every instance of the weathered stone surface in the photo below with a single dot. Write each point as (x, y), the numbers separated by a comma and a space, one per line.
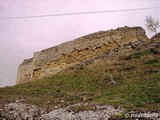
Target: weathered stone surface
(20, 111)
(24, 71)
(23, 111)
(53, 60)
(155, 40)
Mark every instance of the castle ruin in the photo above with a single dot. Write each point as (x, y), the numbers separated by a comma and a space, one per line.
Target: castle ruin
(53, 60)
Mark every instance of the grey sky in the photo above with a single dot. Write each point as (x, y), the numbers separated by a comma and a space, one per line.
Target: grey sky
(20, 38)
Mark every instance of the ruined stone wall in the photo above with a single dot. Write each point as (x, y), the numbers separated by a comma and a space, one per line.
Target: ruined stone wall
(25, 71)
(53, 60)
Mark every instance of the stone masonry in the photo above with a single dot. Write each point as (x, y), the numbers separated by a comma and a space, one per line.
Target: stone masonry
(53, 60)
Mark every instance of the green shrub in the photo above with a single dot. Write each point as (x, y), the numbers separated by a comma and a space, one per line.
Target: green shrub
(154, 51)
(152, 61)
(136, 55)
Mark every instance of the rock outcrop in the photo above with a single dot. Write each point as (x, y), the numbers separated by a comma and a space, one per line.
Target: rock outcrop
(53, 60)
(155, 41)
(23, 111)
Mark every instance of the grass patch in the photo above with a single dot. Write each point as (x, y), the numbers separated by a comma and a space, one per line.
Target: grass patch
(152, 61)
(154, 51)
(147, 92)
(136, 55)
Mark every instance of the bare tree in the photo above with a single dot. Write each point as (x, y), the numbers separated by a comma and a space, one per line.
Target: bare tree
(152, 24)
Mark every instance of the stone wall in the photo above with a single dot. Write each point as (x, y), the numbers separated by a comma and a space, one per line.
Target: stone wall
(24, 71)
(53, 60)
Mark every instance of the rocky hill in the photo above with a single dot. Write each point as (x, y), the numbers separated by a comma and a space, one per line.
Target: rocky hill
(53, 60)
(117, 80)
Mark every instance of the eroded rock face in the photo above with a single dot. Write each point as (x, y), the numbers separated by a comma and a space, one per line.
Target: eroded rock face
(155, 40)
(53, 60)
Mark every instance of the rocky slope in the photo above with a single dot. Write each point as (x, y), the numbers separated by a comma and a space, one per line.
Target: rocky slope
(80, 111)
(121, 82)
(22, 111)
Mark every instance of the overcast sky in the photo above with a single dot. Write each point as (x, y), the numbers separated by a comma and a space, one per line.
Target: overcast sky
(20, 38)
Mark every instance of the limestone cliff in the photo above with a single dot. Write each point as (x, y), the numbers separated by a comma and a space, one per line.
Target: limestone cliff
(53, 60)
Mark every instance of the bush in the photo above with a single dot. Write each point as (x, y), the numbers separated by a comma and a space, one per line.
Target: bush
(152, 61)
(136, 55)
(154, 51)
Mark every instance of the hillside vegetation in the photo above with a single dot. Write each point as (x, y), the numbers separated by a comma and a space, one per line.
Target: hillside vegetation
(130, 79)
